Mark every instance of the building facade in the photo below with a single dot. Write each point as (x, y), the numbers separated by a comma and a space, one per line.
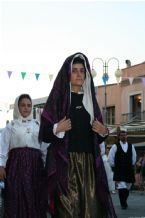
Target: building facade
(125, 104)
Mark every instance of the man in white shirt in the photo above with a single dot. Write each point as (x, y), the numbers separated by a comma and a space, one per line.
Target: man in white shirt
(122, 158)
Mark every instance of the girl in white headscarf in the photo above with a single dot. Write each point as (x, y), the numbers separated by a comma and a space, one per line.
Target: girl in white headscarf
(21, 164)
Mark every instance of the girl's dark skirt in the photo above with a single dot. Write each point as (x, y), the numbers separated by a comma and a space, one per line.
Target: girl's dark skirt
(81, 200)
(25, 184)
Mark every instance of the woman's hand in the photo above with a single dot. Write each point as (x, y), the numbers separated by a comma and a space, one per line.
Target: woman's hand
(99, 128)
(63, 125)
(2, 173)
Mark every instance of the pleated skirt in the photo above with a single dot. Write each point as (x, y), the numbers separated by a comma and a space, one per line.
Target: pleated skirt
(81, 200)
(25, 194)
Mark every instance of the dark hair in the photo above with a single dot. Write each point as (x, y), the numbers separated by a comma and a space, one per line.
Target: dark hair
(24, 96)
(122, 131)
(79, 60)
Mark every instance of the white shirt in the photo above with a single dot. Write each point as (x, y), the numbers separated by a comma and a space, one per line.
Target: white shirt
(18, 134)
(112, 152)
(111, 159)
(102, 148)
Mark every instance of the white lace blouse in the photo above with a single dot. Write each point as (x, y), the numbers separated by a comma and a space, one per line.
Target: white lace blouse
(18, 134)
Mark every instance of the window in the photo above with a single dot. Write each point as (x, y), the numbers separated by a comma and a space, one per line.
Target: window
(135, 106)
(111, 115)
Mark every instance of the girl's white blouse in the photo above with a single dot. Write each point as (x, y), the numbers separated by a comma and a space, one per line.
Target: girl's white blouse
(18, 134)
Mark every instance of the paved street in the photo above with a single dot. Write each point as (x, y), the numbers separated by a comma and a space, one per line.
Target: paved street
(136, 205)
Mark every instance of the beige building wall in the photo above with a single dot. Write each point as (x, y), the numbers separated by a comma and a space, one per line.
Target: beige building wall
(113, 99)
(118, 95)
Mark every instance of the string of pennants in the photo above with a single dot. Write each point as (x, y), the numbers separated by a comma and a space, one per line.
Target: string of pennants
(105, 79)
(131, 79)
(23, 75)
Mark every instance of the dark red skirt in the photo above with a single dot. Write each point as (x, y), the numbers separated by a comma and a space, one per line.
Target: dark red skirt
(25, 193)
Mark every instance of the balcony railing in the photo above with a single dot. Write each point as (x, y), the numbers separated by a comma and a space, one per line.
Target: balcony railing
(131, 117)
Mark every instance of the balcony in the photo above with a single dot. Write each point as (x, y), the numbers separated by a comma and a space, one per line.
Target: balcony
(133, 117)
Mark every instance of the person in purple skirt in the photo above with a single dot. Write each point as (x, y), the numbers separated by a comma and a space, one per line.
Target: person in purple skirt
(72, 123)
(21, 164)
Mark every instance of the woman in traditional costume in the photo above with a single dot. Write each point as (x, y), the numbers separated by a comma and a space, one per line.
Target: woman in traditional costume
(72, 123)
(21, 164)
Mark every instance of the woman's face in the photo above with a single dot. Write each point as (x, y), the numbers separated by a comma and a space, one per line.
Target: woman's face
(77, 77)
(25, 107)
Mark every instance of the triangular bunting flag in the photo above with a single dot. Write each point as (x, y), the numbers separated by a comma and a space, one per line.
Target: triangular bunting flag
(50, 76)
(9, 73)
(131, 80)
(37, 75)
(23, 74)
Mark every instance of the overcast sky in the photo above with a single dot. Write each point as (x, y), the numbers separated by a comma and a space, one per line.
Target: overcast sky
(37, 36)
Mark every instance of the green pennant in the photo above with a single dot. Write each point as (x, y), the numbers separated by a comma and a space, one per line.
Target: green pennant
(23, 74)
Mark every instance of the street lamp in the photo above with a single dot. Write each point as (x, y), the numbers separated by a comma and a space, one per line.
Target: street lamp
(105, 78)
